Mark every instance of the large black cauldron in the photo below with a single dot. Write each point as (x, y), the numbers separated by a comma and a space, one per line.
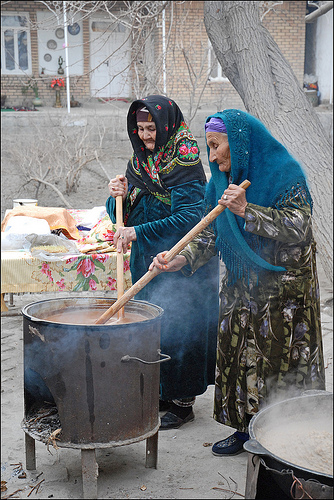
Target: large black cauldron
(103, 396)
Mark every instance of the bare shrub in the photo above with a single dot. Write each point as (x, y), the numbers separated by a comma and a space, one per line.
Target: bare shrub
(54, 156)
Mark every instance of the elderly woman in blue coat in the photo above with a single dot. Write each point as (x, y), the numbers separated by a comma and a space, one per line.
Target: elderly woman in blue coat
(163, 198)
(269, 340)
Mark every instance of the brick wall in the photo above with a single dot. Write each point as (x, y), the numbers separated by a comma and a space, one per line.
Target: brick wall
(286, 24)
(11, 85)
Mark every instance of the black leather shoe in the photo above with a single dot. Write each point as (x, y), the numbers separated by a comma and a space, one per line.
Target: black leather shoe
(171, 421)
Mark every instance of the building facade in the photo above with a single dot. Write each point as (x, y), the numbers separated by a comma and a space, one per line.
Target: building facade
(123, 54)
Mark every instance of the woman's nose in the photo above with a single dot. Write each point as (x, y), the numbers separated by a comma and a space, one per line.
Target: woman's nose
(212, 156)
(147, 134)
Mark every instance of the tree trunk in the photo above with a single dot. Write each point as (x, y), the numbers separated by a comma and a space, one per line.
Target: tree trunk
(255, 66)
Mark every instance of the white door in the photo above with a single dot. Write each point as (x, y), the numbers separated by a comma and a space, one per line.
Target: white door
(110, 59)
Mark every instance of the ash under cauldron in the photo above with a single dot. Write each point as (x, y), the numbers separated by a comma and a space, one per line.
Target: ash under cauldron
(42, 421)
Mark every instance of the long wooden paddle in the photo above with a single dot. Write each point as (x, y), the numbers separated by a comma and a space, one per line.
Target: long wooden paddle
(175, 250)
(119, 260)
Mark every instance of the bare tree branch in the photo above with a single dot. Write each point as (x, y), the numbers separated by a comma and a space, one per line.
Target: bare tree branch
(52, 186)
(322, 9)
(102, 167)
(59, 154)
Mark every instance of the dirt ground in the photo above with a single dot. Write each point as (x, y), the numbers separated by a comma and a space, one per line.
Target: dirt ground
(186, 467)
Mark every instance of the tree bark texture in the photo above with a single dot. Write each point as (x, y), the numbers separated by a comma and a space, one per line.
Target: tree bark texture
(256, 68)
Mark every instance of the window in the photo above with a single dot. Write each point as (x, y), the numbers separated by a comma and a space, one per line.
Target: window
(215, 72)
(15, 44)
(108, 26)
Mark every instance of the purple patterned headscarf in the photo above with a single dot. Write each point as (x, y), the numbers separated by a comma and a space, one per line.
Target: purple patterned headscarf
(215, 125)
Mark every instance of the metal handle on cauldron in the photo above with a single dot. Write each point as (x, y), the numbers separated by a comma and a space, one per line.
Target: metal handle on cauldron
(128, 358)
(253, 446)
(175, 250)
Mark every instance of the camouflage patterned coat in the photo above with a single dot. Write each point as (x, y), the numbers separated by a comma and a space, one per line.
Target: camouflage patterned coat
(269, 341)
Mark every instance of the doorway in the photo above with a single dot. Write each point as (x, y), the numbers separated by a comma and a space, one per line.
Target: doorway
(110, 57)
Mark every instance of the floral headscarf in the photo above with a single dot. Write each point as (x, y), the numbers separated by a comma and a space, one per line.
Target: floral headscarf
(175, 159)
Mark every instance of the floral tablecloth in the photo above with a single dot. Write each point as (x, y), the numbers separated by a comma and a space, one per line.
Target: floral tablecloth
(20, 272)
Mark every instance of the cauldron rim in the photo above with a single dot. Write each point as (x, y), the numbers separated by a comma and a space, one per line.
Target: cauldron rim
(27, 315)
(260, 414)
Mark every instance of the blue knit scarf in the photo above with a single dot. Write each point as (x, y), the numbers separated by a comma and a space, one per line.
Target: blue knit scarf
(275, 176)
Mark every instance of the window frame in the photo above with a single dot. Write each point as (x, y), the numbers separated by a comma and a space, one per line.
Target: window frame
(17, 70)
(219, 78)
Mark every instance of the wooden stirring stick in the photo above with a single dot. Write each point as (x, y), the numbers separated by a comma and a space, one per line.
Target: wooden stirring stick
(180, 245)
(119, 260)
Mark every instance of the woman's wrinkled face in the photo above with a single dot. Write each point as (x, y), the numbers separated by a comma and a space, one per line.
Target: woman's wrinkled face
(219, 150)
(147, 133)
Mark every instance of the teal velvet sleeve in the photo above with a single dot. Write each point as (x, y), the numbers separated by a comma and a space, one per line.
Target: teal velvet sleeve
(110, 207)
(160, 226)
(173, 222)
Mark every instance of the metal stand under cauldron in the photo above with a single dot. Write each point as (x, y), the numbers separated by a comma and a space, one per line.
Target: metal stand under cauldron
(91, 386)
(89, 465)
